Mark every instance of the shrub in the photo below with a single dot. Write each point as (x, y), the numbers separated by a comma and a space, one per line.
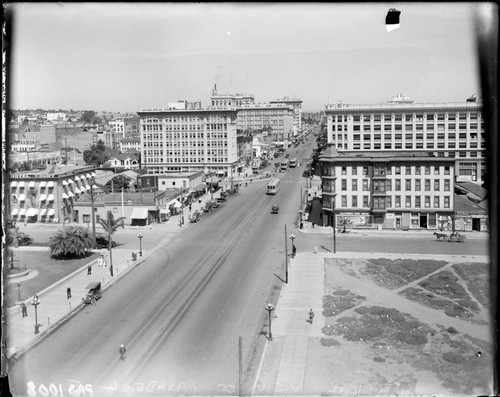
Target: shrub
(453, 357)
(329, 342)
(71, 241)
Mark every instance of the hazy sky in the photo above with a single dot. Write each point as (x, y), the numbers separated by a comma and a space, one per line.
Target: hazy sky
(129, 56)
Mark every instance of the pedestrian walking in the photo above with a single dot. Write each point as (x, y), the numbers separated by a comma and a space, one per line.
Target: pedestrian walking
(89, 270)
(189, 207)
(311, 316)
(68, 292)
(100, 261)
(24, 310)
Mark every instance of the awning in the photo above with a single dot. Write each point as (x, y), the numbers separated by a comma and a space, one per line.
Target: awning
(22, 212)
(43, 212)
(70, 194)
(77, 191)
(31, 184)
(64, 196)
(83, 177)
(89, 176)
(65, 183)
(77, 178)
(43, 197)
(87, 186)
(32, 212)
(139, 213)
(175, 203)
(52, 212)
(50, 184)
(13, 184)
(22, 197)
(51, 197)
(21, 184)
(15, 211)
(94, 174)
(43, 183)
(70, 181)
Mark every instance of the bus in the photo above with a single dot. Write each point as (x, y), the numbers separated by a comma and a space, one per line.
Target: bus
(273, 187)
(284, 164)
(293, 162)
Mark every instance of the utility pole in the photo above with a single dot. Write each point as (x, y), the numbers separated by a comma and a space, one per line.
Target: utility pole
(92, 206)
(286, 257)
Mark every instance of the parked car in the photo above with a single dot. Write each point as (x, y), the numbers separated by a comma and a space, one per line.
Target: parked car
(103, 242)
(23, 240)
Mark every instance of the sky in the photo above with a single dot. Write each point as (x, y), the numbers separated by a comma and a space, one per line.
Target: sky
(123, 57)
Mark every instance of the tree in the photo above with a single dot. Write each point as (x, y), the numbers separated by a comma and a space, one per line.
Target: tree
(71, 241)
(96, 154)
(87, 116)
(110, 225)
(116, 184)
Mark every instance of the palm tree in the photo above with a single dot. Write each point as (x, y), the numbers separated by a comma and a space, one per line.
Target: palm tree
(71, 240)
(110, 225)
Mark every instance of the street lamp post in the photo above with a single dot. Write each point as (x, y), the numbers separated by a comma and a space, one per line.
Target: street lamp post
(300, 213)
(140, 235)
(270, 308)
(35, 302)
(292, 237)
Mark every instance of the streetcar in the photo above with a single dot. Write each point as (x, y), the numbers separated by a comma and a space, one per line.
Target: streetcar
(273, 186)
(284, 164)
(293, 163)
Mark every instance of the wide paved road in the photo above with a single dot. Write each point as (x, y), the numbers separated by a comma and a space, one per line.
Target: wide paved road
(181, 313)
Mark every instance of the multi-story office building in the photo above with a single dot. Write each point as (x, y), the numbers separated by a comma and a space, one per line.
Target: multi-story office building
(234, 100)
(189, 138)
(454, 130)
(406, 189)
(277, 119)
(296, 104)
(130, 144)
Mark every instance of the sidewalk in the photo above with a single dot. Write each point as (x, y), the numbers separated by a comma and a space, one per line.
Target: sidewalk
(283, 368)
(55, 307)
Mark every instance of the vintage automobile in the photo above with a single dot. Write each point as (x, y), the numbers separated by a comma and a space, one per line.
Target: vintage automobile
(103, 242)
(275, 209)
(93, 293)
(195, 217)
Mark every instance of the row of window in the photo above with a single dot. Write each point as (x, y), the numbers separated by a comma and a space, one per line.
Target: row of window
(396, 170)
(199, 160)
(186, 135)
(409, 116)
(387, 185)
(412, 146)
(386, 202)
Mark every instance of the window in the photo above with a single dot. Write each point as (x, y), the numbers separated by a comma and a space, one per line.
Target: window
(344, 171)
(446, 185)
(417, 201)
(365, 170)
(427, 202)
(354, 185)
(397, 203)
(417, 170)
(408, 184)
(388, 186)
(365, 184)
(355, 170)
(397, 184)
(446, 202)
(397, 170)
(344, 201)
(408, 170)
(436, 185)
(388, 202)
(417, 185)
(86, 218)
(407, 201)
(354, 201)
(427, 170)
(344, 184)
(436, 202)
(427, 185)
(365, 201)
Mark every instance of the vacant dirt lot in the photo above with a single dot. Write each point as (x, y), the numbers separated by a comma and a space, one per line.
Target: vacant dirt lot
(402, 327)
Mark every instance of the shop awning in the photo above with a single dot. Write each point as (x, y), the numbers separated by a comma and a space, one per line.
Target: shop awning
(77, 178)
(89, 176)
(64, 196)
(13, 184)
(21, 184)
(43, 183)
(51, 197)
(31, 184)
(52, 212)
(43, 212)
(50, 184)
(94, 174)
(70, 194)
(77, 191)
(15, 211)
(70, 181)
(65, 183)
(87, 186)
(43, 197)
(22, 197)
(32, 212)
(139, 213)
(83, 177)
(22, 212)
(175, 203)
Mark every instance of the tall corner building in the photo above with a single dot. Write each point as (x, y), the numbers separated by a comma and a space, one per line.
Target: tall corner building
(454, 130)
(185, 137)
